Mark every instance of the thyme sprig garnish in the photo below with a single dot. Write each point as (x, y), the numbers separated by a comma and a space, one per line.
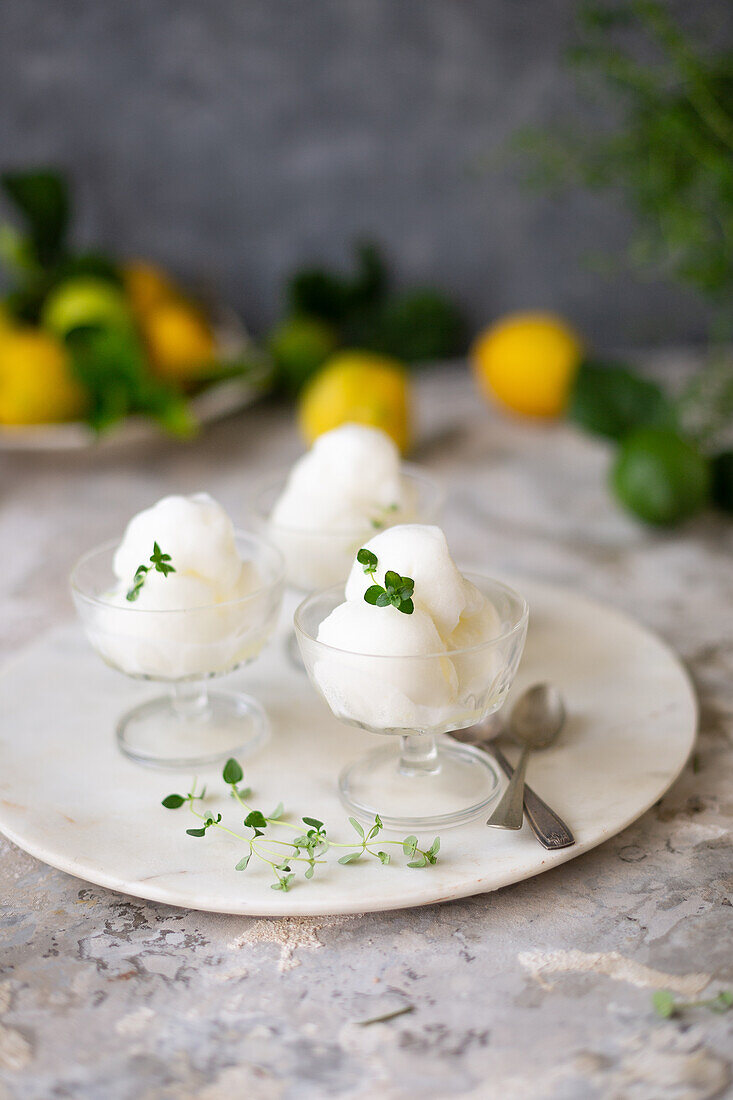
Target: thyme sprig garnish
(397, 591)
(308, 847)
(160, 563)
(666, 1006)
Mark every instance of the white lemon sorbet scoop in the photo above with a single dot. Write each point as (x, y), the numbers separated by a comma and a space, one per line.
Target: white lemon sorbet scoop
(182, 598)
(416, 649)
(335, 497)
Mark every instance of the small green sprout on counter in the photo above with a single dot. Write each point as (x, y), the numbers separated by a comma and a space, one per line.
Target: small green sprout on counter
(666, 1006)
(308, 847)
(161, 564)
(397, 591)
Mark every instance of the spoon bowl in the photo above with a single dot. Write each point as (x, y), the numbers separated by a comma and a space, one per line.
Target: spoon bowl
(537, 717)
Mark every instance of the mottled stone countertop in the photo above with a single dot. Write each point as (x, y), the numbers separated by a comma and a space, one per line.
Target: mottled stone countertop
(541, 990)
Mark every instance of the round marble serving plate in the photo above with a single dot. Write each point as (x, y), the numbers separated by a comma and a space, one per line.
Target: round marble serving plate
(69, 798)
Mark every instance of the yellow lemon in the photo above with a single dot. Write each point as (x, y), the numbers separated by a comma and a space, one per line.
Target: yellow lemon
(146, 286)
(36, 383)
(527, 362)
(180, 343)
(357, 386)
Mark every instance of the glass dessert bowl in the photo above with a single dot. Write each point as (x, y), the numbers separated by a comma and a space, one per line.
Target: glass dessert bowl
(423, 780)
(183, 648)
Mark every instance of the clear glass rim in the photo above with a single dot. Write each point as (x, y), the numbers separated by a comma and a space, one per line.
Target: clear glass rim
(407, 469)
(515, 628)
(79, 591)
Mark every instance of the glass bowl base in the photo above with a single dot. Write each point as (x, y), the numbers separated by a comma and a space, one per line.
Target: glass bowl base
(228, 724)
(460, 787)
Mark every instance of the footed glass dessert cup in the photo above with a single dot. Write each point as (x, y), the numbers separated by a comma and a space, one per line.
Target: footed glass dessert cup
(319, 558)
(190, 726)
(422, 780)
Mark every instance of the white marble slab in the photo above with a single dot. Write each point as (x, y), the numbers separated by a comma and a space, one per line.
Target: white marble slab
(69, 798)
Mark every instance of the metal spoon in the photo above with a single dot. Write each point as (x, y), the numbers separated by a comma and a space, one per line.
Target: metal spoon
(535, 722)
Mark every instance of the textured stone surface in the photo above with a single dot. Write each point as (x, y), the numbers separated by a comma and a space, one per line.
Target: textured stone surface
(540, 990)
(236, 139)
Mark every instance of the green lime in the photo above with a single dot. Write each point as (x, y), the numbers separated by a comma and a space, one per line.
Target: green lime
(83, 301)
(723, 480)
(299, 346)
(660, 477)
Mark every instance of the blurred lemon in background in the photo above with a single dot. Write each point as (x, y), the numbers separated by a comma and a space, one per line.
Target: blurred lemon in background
(527, 362)
(36, 383)
(82, 301)
(179, 341)
(360, 387)
(146, 285)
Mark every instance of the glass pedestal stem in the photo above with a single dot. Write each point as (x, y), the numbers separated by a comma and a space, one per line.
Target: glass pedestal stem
(190, 700)
(418, 755)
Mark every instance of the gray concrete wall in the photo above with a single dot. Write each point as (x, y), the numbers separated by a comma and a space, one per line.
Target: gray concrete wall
(233, 139)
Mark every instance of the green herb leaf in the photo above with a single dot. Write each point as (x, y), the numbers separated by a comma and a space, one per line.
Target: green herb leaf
(242, 865)
(112, 365)
(42, 197)
(161, 560)
(196, 832)
(397, 592)
(664, 1003)
(232, 772)
(314, 822)
(383, 857)
(421, 861)
(173, 801)
(409, 844)
(368, 559)
(611, 401)
(255, 820)
(277, 812)
(355, 825)
(350, 857)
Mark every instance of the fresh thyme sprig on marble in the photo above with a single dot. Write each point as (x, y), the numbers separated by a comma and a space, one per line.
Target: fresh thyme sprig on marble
(397, 591)
(308, 847)
(666, 1006)
(160, 564)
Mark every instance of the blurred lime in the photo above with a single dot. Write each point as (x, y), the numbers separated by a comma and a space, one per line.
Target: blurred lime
(36, 382)
(660, 477)
(299, 346)
(146, 285)
(84, 301)
(179, 341)
(527, 362)
(359, 387)
(723, 480)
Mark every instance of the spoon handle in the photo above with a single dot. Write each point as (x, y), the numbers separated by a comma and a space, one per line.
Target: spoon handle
(509, 812)
(548, 827)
